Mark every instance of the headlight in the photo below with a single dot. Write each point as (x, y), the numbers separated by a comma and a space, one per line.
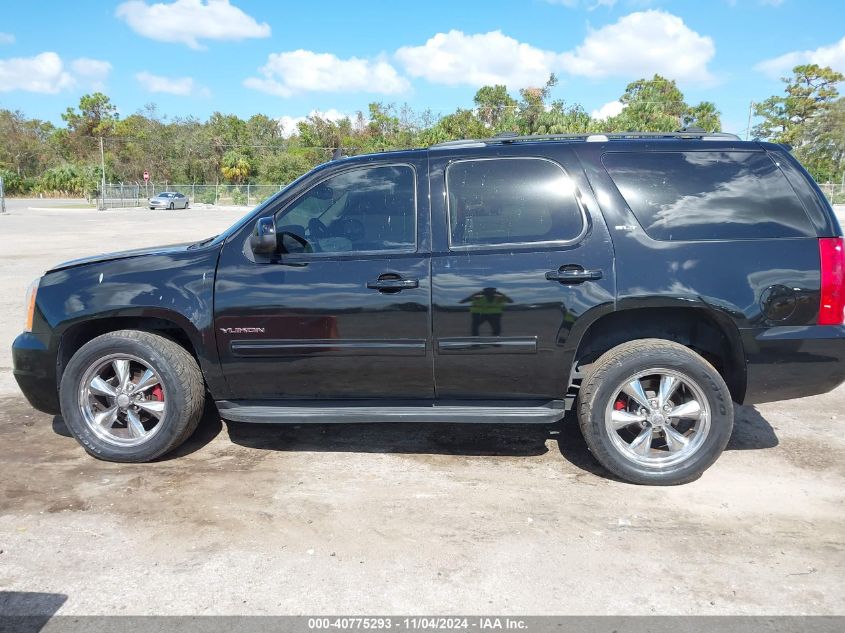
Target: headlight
(31, 291)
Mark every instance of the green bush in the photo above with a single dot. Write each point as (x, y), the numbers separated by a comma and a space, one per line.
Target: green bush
(14, 185)
(206, 196)
(238, 196)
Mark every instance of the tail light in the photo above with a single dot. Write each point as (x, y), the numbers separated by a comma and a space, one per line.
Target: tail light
(832, 300)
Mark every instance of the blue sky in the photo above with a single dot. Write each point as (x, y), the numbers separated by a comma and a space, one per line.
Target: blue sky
(286, 59)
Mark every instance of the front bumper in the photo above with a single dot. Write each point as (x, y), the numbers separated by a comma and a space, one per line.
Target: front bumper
(34, 368)
(793, 362)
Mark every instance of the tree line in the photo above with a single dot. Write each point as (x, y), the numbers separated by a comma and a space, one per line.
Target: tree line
(39, 157)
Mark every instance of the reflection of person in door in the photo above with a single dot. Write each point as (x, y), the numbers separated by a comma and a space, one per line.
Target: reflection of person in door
(487, 306)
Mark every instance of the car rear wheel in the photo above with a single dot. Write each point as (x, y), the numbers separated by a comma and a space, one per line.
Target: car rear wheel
(654, 412)
(131, 396)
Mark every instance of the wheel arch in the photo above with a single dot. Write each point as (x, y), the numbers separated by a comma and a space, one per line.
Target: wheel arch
(164, 323)
(708, 332)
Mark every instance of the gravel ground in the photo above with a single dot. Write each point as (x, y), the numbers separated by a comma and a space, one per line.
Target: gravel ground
(399, 519)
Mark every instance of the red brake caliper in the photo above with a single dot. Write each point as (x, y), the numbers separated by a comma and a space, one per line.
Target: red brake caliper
(157, 393)
(619, 404)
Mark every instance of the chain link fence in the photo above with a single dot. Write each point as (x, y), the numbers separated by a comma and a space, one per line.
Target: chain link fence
(835, 191)
(119, 195)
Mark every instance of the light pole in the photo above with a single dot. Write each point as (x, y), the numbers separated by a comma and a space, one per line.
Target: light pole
(103, 168)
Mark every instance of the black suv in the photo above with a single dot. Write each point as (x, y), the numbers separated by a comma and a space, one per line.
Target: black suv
(647, 280)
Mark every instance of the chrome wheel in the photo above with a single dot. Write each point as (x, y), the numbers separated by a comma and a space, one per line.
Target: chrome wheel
(658, 418)
(122, 400)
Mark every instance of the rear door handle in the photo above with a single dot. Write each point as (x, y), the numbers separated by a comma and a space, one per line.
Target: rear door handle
(573, 275)
(393, 285)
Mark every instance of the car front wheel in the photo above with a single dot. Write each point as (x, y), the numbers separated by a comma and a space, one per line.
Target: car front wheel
(654, 412)
(131, 396)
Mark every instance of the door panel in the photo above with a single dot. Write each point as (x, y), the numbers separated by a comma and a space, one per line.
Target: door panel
(318, 323)
(314, 330)
(502, 314)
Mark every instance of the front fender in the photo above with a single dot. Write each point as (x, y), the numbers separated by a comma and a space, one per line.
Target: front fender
(175, 287)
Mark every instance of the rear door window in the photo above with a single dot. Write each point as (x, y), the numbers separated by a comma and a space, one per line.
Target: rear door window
(511, 201)
(708, 195)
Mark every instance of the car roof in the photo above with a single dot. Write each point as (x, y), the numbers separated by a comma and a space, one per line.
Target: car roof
(635, 141)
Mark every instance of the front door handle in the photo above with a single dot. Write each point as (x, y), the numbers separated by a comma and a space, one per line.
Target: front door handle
(573, 275)
(393, 284)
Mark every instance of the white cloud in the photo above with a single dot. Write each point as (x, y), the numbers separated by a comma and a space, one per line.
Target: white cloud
(180, 86)
(481, 59)
(832, 55)
(640, 44)
(286, 74)
(7, 38)
(288, 124)
(43, 73)
(46, 73)
(609, 109)
(188, 21)
(636, 45)
(91, 68)
(93, 72)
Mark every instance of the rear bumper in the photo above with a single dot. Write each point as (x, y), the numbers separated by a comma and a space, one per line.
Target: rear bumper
(793, 362)
(34, 368)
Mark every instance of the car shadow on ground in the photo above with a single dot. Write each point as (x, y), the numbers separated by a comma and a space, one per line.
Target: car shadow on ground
(751, 432)
(408, 438)
(28, 611)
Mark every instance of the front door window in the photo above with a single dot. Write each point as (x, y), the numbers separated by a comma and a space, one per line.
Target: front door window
(369, 210)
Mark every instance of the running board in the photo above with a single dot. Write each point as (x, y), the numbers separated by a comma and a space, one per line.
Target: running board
(269, 412)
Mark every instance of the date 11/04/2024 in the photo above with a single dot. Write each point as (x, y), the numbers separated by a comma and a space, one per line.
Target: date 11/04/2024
(418, 624)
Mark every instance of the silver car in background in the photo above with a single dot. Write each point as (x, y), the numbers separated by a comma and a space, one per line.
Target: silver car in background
(169, 200)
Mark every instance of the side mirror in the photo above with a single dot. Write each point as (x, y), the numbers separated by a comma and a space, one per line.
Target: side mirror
(263, 239)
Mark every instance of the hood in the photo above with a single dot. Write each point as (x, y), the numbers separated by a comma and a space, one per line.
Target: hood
(107, 257)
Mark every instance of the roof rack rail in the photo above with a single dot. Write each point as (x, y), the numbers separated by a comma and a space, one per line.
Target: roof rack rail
(688, 133)
(467, 142)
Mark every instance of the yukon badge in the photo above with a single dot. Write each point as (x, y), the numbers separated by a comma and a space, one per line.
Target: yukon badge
(242, 330)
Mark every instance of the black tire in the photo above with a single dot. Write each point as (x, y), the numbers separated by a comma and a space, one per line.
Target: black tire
(171, 207)
(181, 380)
(599, 392)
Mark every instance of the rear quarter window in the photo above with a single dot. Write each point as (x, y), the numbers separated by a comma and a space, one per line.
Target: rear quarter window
(707, 195)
